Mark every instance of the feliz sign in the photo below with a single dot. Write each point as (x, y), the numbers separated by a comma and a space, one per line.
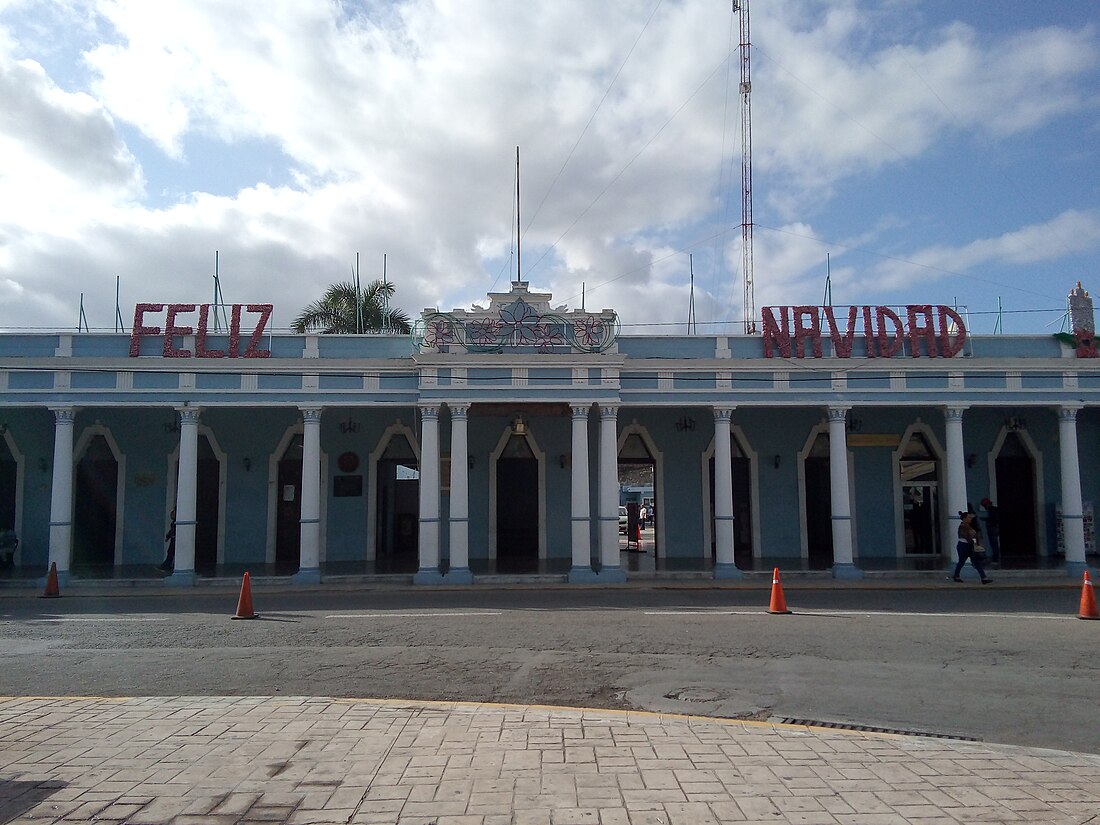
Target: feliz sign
(173, 330)
(938, 330)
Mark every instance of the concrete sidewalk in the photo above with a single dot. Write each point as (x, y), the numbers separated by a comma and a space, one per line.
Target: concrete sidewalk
(213, 761)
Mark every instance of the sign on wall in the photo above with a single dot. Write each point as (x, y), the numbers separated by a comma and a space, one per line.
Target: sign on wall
(937, 330)
(172, 330)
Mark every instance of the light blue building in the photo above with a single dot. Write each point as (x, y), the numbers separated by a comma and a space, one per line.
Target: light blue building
(842, 439)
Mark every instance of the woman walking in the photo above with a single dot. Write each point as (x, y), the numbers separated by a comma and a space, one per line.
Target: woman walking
(968, 547)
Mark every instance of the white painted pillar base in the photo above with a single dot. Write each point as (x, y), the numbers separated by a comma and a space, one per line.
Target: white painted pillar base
(610, 569)
(956, 481)
(839, 492)
(1073, 523)
(724, 565)
(459, 517)
(309, 558)
(187, 479)
(429, 498)
(582, 571)
(61, 493)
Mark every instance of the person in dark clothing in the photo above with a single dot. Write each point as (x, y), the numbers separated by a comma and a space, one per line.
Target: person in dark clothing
(992, 530)
(968, 541)
(169, 563)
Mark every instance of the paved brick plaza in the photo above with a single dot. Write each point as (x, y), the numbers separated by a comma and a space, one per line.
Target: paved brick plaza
(197, 760)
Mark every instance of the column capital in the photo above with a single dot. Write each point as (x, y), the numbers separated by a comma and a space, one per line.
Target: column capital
(429, 412)
(723, 413)
(580, 410)
(609, 411)
(458, 410)
(188, 415)
(63, 415)
(838, 413)
(1068, 412)
(311, 415)
(954, 413)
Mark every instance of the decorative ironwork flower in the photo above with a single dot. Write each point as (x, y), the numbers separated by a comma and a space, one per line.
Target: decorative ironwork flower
(548, 335)
(589, 332)
(518, 321)
(439, 332)
(484, 333)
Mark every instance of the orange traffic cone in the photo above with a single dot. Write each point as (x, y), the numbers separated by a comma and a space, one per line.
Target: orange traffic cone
(1088, 600)
(52, 591)
(779, 604)
(244, 603)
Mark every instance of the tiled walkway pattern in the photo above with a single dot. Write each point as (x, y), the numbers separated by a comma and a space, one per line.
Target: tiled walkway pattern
(214, 761)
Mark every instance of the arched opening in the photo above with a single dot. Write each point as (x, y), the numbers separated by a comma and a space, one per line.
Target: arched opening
(95, 504)
(818, 503)
(743, 528)
(637, 481)
(918, 474)
(517, 495)
(288, 514)
(397, 507)
(9, 503)
(1015, 483)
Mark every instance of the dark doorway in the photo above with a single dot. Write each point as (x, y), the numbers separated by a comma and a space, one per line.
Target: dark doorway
(920, 503)
(819, 505)
(94, 506)
(637, 477)
(517, 508)
(742, 507)
(207, 507)
(9, 486)
(1016, 500)
(397, 536)
(288, 512)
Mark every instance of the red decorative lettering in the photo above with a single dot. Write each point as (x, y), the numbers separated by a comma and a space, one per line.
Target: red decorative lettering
(171, 331)
(253, 350)
(776, 335)
(200, 339)
(888, 345)
(139, 329)
(842, 344)
(869, 333)
(951, 347)
(927, 331)
(813, 331)
(235, 332)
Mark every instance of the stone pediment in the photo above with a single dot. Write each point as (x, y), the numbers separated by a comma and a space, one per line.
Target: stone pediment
(518, 321)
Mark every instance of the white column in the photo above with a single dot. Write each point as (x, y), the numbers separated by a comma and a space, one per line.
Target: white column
(724, 567)
(61, 494)
(610, 570)
(956, 479)
(309, 559)
(580, 498)
(429, 497)
(187, 479)
(1073, 526)
(459, 516)
(843, 566)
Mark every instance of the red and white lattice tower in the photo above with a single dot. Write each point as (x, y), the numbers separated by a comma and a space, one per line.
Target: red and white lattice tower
(749, 306)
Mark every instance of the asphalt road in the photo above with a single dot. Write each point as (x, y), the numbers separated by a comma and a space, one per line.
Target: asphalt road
(1003, 665)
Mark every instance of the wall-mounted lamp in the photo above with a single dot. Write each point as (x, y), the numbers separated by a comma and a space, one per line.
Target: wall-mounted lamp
(519, 427)
(172, 426)
(565, 460)
(470, 462)
(247, 464)
(776, 460)
(349, 426)
(971, 459)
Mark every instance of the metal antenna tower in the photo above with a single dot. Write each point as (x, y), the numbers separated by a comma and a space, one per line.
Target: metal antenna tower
(742, 7)
(692, 328)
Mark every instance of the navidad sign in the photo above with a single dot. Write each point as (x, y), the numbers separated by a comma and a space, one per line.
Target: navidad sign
(938, 330)
(172, 331)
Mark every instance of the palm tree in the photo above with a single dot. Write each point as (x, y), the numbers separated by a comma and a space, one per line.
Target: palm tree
(335, 312)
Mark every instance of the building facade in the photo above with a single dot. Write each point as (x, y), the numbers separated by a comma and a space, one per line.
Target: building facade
(492, 442)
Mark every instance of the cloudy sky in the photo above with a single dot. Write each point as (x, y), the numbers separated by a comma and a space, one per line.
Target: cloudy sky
(936, 151)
